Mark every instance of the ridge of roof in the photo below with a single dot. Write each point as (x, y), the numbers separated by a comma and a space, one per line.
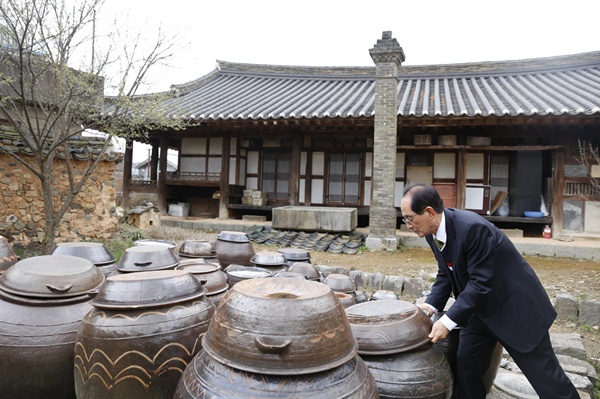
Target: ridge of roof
(541, 64)
(526, 65)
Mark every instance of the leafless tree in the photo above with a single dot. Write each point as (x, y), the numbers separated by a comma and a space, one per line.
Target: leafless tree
(54, 68)
(589, 158)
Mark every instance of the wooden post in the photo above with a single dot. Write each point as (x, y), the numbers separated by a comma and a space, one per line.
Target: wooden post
(558, 182)
(224, 186)
(295, 171)
(162, 177)
(308, 179)
(127, 165)
(461, 180)
(154, 163)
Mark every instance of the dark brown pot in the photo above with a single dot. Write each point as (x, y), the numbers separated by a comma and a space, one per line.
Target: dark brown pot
(143, 331)
(38, 332)
(197, 249)
(205, 377)
(422, 373)
(340, 283)
(280, 326)
(307, 269)
(234, 248)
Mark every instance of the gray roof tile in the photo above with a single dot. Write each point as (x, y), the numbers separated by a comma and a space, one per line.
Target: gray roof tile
(544, 86)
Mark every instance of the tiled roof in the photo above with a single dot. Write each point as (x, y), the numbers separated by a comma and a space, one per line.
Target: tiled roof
(82, 148)
(542, 86)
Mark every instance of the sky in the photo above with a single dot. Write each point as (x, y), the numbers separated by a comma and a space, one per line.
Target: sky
(341, 32)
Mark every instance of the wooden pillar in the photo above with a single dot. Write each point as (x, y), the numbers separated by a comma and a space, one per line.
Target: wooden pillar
(308, 179)
(295, 171)
(558, 183)
(162, 177)
(154, 163)
(461, 179)
(224, 187)
(127, 165)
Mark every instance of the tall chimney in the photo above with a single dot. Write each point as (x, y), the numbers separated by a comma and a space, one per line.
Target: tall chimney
(387, 56)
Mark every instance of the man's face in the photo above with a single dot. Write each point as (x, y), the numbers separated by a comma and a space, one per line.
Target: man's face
(421, 225)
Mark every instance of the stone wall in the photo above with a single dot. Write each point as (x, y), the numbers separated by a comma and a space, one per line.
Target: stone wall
(91, 215)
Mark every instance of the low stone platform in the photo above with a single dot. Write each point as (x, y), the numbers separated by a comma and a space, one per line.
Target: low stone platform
(315, 218)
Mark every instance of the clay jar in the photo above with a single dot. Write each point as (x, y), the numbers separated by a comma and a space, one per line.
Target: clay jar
(205, 377)
(422, 373)
(143, 331)
(234, 247)
(42, 301)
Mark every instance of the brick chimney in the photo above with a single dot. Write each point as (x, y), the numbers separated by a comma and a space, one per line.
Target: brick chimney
(387, 56)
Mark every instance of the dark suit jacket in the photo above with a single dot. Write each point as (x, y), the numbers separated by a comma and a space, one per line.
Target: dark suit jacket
(492, 282)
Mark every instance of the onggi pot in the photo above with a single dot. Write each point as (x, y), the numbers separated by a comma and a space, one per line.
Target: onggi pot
(206, 377)
(234, 247)
(143, 331)
(42, 301)
(421, 373)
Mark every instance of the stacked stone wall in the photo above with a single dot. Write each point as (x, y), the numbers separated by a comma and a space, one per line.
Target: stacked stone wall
(90, 216)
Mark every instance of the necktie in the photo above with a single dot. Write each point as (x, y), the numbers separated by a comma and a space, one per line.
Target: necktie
(440, 244)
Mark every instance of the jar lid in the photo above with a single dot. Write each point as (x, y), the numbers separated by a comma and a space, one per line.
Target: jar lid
(147, 258)
(51, 276)
(95, 252)
(147, 290)
(233, 236)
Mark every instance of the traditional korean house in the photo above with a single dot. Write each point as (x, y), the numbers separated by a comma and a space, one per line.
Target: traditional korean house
(356, 136)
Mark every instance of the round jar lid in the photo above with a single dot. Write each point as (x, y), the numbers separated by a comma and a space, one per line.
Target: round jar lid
(95, 252)
(51, 276)
(147, 290)
(147, 258)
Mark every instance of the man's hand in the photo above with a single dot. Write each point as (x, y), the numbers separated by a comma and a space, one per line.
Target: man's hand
(438, 332)
(425, 308)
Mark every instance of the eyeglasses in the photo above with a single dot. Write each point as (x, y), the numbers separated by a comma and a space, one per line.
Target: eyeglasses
(410, 219)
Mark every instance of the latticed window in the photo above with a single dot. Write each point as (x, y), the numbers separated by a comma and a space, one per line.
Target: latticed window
(344, 179)
(276, 175)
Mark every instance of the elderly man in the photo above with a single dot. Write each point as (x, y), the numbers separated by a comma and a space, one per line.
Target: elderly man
(498, 296)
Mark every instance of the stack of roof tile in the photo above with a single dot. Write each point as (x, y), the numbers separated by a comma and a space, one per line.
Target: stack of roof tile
(319, 241)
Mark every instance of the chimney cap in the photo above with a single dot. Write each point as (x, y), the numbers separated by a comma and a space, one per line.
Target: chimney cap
(387, 49)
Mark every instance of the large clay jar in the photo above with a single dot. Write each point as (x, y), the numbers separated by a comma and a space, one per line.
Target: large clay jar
(280, 326)
(42, 301)
(421, 373)
(206, 377)
(143, 331)
(234, 247)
